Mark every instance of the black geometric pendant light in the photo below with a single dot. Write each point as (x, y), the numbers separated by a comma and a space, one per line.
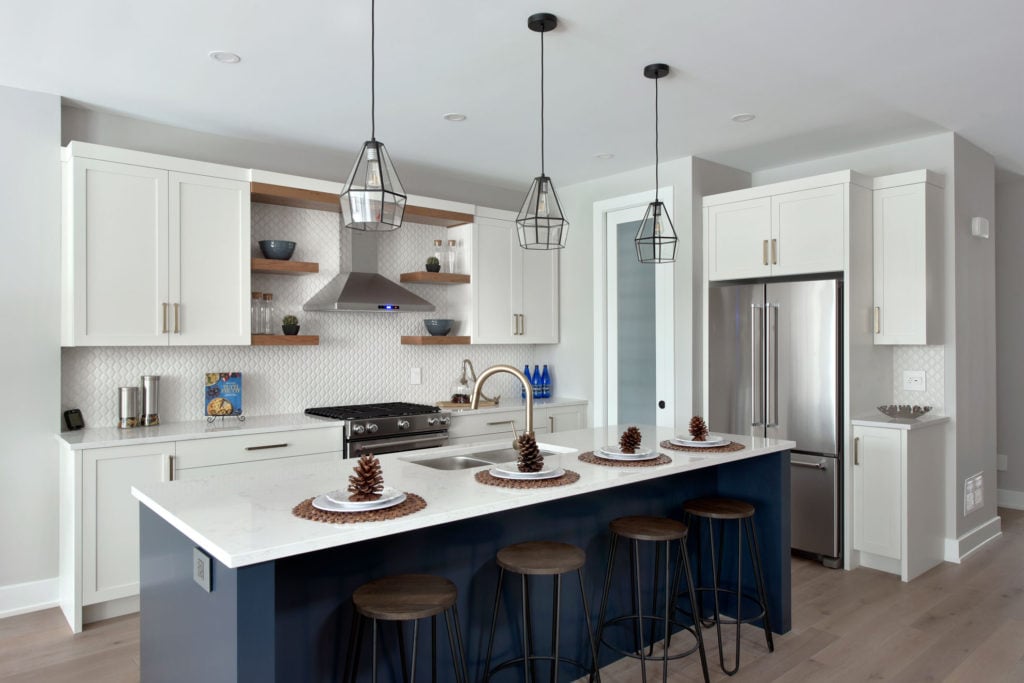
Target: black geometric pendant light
(540, 222)
(656, 239)
(373, 198)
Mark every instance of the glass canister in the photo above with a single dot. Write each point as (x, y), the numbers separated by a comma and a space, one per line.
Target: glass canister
(453, 256)
(128, 407)
(268, 314)
(256, 313)
(439, 254)
(150, 400)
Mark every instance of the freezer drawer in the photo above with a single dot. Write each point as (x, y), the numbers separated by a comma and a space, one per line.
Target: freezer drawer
(814, 483)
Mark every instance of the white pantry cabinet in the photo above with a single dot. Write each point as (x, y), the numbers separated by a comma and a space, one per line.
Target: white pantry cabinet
(514, 296)
(908, 258)
(152, 255)
(898, 503)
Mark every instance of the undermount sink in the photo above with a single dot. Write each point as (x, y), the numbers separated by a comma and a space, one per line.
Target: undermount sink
(493, 456)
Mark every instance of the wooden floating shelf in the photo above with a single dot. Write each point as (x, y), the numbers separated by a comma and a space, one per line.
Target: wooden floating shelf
(266, 193)
(268, 266)
(432, 340)
(424, 277)
(285, 340)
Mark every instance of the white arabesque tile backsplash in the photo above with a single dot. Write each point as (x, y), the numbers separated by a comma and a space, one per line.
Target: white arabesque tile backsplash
(932, 360)
(359, 359)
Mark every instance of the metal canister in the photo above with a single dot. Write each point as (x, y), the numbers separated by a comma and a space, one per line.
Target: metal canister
(128, 407)
(150, 400)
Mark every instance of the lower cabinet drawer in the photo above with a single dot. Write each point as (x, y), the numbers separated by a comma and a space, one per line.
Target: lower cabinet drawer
(241, 468)
(224, 450)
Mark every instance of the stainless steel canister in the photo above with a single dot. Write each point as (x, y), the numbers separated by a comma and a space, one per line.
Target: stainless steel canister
(150, 400)
(128, 410)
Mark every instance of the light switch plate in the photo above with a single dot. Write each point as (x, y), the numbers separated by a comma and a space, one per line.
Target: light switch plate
(415, 376)
(914, 380)
(201, 569)
(973, 487)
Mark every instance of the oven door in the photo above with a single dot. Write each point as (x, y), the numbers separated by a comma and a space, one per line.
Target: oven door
(395, 444)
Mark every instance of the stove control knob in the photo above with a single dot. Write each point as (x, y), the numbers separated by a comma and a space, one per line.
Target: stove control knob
(445, 421)
(431, 421)
(372, 428)
(358, 429)
(403, 424)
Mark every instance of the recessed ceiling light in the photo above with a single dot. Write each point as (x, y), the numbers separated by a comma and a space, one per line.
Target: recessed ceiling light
(604, 155)
(744, 118)
(454, 116)
(225, 57)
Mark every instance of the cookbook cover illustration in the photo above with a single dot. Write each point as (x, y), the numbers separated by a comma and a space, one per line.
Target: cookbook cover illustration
(223, 394)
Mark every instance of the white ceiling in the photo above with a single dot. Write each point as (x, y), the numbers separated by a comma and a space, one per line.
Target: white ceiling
(822, 77)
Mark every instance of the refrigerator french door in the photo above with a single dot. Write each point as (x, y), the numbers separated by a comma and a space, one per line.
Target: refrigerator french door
(774, 371)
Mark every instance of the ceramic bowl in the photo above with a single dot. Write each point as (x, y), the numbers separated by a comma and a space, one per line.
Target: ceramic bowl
(279, 250)
(438, 326)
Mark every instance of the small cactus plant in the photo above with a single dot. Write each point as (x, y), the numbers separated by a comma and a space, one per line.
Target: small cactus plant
(433, 264)
(289, 320)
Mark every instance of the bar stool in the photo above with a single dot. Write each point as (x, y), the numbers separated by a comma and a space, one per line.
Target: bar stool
(407, 597)
(724, 510)
(659, 530)
(540, 558)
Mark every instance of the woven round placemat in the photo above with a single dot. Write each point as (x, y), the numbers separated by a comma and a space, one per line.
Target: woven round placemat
(411, 504)
(730, 447)
(593, 459)
(485, 477)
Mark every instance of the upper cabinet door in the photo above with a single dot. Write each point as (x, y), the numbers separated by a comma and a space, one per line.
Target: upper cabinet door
(118, 255)
(539, 308)
(808, 231)
(739, 237)
(495, 282)
(210, 265)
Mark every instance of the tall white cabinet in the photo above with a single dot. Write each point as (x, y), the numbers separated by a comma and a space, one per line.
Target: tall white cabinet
(153, 256)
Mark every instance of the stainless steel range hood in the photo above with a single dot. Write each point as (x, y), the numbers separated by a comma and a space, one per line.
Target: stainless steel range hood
(360, 287)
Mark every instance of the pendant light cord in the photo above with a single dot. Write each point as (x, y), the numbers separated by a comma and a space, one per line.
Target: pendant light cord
(542, 103)
(656, 139)
(373, 75)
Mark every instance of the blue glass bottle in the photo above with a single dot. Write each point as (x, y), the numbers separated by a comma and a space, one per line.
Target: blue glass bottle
(535, 381)
(545, 383)
(526, 372)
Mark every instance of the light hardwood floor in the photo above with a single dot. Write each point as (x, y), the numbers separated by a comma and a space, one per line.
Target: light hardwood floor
(956, 623)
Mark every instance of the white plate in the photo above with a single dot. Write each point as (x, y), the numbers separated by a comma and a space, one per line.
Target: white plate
(626, 456)
(511, 471)
(712, 441)
(642, 453)
(340, 502)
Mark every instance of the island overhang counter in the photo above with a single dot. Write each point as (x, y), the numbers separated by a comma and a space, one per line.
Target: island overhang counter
(279, 607)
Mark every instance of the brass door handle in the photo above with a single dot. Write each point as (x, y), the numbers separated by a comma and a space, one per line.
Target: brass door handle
(856, 450)
(764, 252)
(165, 318)
(775, 254)
(177, 318)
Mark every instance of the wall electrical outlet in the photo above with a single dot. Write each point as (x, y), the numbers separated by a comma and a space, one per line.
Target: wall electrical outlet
(415, 376)
(1001, 462)
(973, 499)
(914, 380)
(201, 569)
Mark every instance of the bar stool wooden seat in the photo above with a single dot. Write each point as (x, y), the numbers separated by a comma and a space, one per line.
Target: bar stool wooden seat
(401, 598)
(723, 511)
(539, 558)
(661, 531)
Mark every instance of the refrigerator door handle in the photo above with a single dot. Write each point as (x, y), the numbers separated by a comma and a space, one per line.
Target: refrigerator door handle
(772, 361)
(756, 369)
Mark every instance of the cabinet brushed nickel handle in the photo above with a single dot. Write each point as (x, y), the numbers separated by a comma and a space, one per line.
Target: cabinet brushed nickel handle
(878, 320)
(812, 465)
(775, 254)
(551, 422)
(501, 422)
(177, 318)
(263, 448)
(764, 252)
(165, 318)
(522, 321)
(170, 468)
(856, 450)
(515, 324)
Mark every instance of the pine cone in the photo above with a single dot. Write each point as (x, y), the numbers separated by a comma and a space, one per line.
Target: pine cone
(368, 480)
(630, 440)
(530, 459)
(698, 428)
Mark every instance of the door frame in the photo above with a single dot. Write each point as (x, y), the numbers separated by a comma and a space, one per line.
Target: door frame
(605, 346)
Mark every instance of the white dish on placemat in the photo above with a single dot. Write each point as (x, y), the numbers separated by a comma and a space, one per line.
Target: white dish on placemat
(712, 441)
(339, 501)
(511, 471)
(616, 453)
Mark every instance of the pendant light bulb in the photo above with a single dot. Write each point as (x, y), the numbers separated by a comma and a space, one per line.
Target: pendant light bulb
(373, 198)
(656, 238)
(540, 223)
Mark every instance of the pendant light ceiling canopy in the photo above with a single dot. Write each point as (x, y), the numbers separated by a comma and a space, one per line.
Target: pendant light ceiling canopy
(373, 198)
(656, 239)
(540, 223)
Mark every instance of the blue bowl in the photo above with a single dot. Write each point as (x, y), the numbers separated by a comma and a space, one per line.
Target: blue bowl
(279, 250)
(438, 327)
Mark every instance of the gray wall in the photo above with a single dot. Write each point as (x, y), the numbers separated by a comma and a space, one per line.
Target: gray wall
(30, 339)
(1008, 235)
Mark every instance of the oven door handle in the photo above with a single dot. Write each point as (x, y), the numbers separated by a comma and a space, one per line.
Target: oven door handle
(381, 446)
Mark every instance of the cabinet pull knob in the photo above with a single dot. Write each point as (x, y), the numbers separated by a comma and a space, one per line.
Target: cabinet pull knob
(856, 450)
(878, 320)
(764, 252)
(263, 448)
(177, 318)
(165, 318)
(775, 252)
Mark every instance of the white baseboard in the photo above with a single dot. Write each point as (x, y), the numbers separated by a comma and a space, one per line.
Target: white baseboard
(1010, 499)
(959, 549)
(21, 598)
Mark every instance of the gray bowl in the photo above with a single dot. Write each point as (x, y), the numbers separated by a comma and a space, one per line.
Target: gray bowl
(279, 250)
(438, 327)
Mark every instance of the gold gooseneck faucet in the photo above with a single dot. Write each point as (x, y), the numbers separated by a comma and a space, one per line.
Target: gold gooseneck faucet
(474, 402)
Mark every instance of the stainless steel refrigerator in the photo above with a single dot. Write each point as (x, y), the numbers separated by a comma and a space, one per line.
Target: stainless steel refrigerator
(775, 355)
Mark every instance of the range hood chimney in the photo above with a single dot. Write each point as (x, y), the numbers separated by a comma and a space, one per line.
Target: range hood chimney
(362, 288)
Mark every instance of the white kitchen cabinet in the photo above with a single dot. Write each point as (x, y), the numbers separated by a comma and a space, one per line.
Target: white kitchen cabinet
(493, 423)
(153, 256)
(898, 506)
(908, 258)
(514, 291)
(808, 231)
(738, 235)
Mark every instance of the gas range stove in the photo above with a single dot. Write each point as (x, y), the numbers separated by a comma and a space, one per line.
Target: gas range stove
(388, 427)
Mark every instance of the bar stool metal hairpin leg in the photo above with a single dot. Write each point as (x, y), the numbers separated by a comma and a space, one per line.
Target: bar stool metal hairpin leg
(406, 597)
(660, 530)
(722, 511)
(540, 558)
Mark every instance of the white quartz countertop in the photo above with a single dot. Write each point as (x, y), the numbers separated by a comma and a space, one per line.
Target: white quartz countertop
(878, 419)
(246, 519)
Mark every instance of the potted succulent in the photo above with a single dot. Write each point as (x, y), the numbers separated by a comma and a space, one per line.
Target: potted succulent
(433, 265)
(290, 324)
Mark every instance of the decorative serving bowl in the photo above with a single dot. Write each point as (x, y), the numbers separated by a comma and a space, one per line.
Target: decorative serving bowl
(278, 250)
(904, 411)
(438, 327)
